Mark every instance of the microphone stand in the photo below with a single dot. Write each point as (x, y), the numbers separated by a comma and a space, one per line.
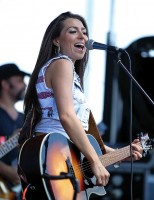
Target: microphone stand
(118, 59)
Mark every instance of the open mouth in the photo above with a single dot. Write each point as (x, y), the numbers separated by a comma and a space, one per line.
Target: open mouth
(79, 46)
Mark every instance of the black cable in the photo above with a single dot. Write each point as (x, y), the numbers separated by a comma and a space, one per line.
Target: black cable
(132, 79)
(130, 128)
(129, 72)
(26, 190)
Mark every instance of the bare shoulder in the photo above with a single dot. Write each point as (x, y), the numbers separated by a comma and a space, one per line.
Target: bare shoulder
(59, 71)
(61, 64)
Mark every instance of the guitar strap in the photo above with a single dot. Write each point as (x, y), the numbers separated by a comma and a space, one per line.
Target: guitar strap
(32, 122)
(93, 130)
(27, 128)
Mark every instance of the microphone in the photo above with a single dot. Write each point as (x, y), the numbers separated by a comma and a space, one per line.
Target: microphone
(91, 44)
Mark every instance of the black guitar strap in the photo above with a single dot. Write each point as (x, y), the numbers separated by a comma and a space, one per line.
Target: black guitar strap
(27, 129)
(93, 130)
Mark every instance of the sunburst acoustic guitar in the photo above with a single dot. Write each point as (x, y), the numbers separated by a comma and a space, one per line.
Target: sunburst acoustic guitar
(57, 170)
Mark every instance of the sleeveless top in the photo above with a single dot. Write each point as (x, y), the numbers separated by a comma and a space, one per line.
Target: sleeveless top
(50, 122)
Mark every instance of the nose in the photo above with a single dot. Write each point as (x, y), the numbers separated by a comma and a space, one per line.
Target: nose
(82, 36)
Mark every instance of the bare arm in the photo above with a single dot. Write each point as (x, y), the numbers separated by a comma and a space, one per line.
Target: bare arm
(60, 78)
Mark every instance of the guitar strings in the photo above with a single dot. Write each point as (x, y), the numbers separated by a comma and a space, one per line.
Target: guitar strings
(79, 168)
(84, 169)
(85, 166)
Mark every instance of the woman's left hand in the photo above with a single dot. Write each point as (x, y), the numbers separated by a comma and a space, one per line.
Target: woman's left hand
(137, 150)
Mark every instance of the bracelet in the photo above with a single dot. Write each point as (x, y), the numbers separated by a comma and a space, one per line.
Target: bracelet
(117, 164)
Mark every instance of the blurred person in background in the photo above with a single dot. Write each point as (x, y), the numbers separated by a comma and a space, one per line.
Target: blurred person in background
(12, 89)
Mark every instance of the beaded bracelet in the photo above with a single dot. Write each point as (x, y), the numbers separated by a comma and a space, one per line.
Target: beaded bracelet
(117, 164)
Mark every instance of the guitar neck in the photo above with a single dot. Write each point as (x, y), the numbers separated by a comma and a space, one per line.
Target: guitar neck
(10, 144)
(115, 156)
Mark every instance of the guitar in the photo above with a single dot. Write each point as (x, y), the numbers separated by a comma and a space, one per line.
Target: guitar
(5, 193)
(6, 147)
(55, 167)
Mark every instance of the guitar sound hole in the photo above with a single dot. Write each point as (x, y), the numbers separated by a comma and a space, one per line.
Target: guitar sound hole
(86, 168)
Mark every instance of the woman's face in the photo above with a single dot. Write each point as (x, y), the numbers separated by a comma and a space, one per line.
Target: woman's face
(72, 39)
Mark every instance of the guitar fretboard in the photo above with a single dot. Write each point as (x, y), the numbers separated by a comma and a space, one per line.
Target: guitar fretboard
(115, 156)
(10, 144)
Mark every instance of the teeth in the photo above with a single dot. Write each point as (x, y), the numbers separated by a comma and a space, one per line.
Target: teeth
(79, 45)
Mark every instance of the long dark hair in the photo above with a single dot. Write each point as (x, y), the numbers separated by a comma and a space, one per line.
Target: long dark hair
(47, 51)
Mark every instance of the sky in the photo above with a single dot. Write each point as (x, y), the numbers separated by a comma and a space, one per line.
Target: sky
(23, 23)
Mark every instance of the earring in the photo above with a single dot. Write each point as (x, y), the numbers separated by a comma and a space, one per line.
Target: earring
(57, 50)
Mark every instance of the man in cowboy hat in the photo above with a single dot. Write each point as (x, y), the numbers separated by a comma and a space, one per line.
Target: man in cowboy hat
(12, 89)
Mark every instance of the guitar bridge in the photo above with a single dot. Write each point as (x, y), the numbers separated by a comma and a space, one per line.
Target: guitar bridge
(71, 175)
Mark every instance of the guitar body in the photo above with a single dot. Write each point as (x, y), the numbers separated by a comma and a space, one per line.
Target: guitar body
(5, 192)
(53, 154)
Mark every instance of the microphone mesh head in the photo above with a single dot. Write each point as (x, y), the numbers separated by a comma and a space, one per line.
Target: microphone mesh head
(89, 44)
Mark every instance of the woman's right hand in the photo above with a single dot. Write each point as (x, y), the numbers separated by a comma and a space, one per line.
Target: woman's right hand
(101, 174)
